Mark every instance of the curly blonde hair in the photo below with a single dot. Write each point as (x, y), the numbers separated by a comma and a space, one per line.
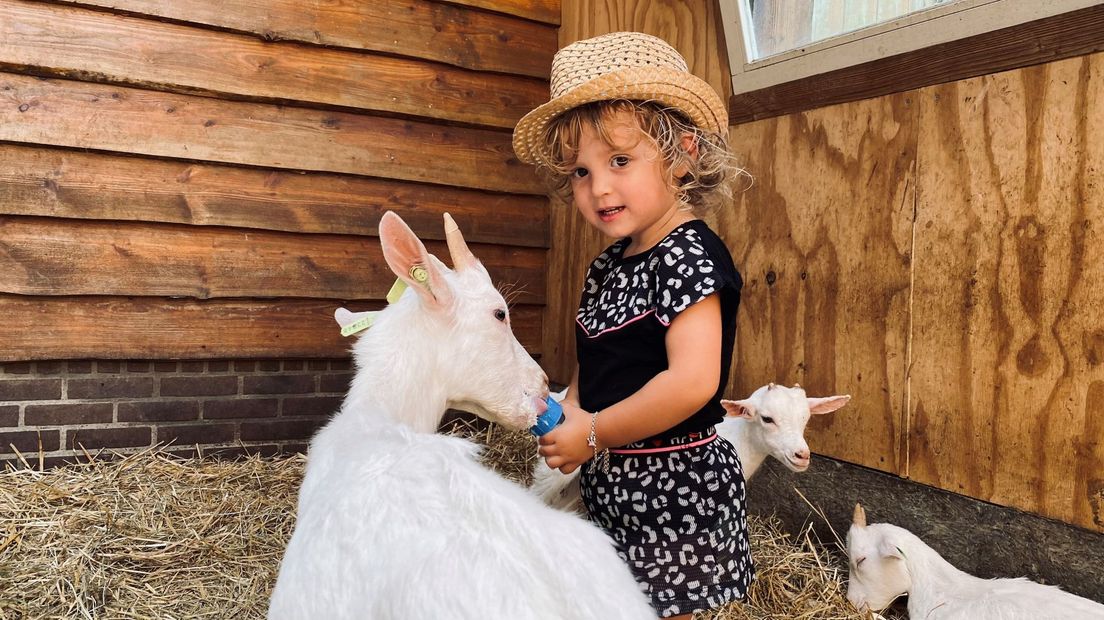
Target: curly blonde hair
(710, 176)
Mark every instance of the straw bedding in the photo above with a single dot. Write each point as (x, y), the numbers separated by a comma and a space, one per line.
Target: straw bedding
(150, 535)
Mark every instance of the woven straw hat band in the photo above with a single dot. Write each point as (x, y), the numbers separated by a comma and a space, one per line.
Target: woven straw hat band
(621, 65)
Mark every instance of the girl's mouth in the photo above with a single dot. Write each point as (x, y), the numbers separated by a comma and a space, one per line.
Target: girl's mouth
(607, 215)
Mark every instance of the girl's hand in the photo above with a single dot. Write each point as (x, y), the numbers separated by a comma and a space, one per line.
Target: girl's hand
(565, 447)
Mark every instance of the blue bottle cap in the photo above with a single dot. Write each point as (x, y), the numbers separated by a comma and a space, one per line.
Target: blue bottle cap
(548, 420)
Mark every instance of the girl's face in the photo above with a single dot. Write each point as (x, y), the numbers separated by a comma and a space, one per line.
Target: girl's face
(623, 190)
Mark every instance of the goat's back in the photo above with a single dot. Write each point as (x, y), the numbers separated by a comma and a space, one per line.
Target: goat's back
(1010, 599)
(409, 525)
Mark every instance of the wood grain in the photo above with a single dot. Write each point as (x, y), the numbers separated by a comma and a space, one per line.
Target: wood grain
(547, 11)
(823, 240)
(1008, 370)
(55, 40)
(78, 114)
(41, 256)
(46, 328)
(456, 35)
(73, 184)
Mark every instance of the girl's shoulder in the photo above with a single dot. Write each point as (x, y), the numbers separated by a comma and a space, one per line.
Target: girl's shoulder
(693, 241)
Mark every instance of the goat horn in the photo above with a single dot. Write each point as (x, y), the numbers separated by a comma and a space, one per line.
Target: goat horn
(458, 248)
(859, 518)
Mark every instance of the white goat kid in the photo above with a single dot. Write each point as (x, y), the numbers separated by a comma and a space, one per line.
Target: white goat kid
(889, 561)
(770, 422)
(397, 522)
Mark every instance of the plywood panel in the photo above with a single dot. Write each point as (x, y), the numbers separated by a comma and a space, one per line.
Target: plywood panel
(58, 40)
(1008, 370)
(40, 256)
(416, 28)
(823, 239)
(72, 184)
(692, 28)
(78, 114)
(148, 328)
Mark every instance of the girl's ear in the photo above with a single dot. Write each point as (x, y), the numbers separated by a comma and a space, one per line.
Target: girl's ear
(689, 145)
(407, 257)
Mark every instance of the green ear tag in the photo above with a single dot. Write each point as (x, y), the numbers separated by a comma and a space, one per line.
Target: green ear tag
(419, 273)
(359, 325)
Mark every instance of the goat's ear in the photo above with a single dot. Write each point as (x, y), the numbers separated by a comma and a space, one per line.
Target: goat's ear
(406, 256)
(738, 408)
(889, 550)
(828, 404)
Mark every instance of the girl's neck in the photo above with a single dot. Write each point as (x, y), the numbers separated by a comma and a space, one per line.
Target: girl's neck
(649, 238)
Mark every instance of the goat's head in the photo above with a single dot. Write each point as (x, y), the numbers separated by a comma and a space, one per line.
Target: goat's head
(777, 416)
(458, 321)
(878, 571)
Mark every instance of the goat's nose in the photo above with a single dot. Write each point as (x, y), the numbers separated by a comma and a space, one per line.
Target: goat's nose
(802, 454)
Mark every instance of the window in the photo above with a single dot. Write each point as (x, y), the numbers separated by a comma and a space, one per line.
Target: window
(775, 42)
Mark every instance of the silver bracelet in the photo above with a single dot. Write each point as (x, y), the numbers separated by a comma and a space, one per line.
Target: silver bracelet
(601, 458)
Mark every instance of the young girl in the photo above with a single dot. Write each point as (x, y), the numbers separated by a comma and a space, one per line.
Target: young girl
(637, 143)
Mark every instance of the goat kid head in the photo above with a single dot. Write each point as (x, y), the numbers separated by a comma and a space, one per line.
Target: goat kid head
(777, 416)
(455, 328)
(878, 571)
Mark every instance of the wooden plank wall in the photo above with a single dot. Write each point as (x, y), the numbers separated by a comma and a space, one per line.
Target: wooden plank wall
(201, 179)
(935, 253)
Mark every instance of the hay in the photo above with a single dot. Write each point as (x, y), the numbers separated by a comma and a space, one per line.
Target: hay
(152, 535)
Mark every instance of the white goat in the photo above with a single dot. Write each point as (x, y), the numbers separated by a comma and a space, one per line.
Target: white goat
(397, 522)
(888, 561)
(770, 422)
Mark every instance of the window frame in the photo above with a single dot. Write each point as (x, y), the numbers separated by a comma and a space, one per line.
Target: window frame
(940, 44)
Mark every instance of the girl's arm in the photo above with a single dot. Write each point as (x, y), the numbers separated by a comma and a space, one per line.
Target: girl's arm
(572, 395)
(693, 372)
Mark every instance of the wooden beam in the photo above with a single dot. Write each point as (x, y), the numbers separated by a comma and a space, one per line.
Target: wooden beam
(1072, 34)
(82, 115)
(84, 257)
(547, 11)
(55, 41)
(423, 29)
(45, 328)
(73, 184)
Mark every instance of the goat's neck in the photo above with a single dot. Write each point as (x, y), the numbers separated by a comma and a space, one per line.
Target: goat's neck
(398, 374)
(752, 452)
(935, 581)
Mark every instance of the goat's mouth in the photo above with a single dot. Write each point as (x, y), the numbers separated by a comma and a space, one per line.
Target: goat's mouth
(797, 465)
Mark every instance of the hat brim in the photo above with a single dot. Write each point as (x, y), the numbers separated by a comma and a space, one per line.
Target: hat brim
(670, 87)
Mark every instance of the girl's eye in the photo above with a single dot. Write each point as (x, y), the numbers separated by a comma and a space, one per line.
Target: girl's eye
(768, 420)
(620, 161)
(579, 173)
(500, 314)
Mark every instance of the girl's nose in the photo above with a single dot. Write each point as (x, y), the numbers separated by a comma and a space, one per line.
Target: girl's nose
(599, 184)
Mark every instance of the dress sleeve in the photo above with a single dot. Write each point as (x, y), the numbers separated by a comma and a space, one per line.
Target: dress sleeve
(685, 275)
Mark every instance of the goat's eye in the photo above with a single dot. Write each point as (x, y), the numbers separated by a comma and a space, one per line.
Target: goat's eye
(768, 420)
(500, 314)
(859, 561)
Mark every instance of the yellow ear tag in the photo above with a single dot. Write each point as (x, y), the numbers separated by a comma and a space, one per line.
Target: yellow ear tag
(417, 273)
(396, 291)
(359, 325)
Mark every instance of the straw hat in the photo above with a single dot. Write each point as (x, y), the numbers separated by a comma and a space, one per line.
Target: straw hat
(620, 65)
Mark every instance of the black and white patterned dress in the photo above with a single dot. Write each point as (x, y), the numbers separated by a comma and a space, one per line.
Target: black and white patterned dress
(673, 503)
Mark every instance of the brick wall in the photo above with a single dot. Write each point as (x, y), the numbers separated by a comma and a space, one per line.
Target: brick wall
(227, 407)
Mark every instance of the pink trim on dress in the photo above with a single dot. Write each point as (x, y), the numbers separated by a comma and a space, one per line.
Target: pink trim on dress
(700, 442)
(615, 328)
